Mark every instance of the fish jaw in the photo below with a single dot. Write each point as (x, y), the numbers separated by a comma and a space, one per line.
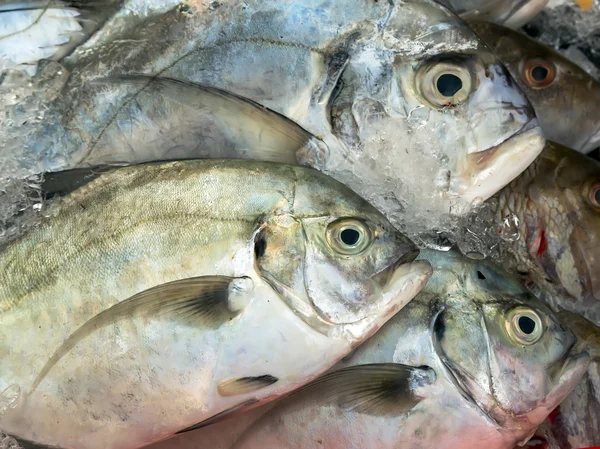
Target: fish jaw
(488, 171)
(575, 366)
(592, 143)
(526, 11)
(405, 282)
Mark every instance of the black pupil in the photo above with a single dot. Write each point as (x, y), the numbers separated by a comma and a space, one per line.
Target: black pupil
(527, 325)
(539, 73)
(350, 236)
(597, 196)
(259, 247)
(448, 85)
(480, 275)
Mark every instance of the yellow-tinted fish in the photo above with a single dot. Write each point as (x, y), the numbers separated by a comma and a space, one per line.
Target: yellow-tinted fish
(159, 296)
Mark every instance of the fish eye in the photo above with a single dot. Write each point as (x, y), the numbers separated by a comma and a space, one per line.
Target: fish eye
(539, 73)
(444, 84)
(349, 236)
(524, 325)
(595, 196)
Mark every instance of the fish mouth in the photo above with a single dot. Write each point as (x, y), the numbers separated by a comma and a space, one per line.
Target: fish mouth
(592, 143)
(575, 363)
(383, 277)
(488, 171)
(403, 282)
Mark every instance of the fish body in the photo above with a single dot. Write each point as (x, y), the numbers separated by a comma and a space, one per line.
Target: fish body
(361, 78)
(565, 97)
(557, 204)
(510, 13)
(576, 422)
(471, 380)
(474, 382)
(159, 296)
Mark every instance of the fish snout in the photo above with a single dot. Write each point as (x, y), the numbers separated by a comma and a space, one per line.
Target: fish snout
(504, 136)
(403, 282)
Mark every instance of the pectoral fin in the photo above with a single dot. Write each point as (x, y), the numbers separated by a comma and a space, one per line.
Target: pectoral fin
(258, 131)
(377, 389)
(208, 301)
(220, 416)
(243, 385)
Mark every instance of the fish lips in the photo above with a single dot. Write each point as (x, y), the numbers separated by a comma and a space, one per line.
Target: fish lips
(488, 171)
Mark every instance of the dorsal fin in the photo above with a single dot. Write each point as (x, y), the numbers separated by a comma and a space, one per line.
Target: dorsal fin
(264, 134)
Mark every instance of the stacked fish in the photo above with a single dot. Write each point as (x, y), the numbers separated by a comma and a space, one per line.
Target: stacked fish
(248, 227)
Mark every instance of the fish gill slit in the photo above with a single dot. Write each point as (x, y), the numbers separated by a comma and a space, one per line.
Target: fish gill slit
(488, 347)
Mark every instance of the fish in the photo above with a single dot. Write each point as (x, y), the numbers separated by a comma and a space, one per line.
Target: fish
(556, 207)
(381, 86)
(575, 423)
(475, 357)
(565, 97)
(509, 13)
(35, 30)
(158, 297)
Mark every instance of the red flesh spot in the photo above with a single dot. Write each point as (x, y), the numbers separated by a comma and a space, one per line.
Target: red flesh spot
(543, 244)
(554, 414)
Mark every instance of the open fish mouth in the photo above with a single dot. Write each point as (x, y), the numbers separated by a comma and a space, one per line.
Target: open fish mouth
(488, 171)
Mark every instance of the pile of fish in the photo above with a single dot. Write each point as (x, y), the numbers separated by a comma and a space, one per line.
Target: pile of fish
(295, 224)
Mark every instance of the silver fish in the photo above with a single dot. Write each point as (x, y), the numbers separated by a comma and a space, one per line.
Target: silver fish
(159, 296)
(556, 208)
(565, 97)
(383, 86)
(474, 358)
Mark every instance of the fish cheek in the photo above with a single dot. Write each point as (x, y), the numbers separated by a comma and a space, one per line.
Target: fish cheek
(339, 286)
(461, 343)
(279, 253)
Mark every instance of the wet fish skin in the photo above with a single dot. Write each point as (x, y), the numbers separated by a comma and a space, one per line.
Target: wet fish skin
(487, 387)
(566, 99)
(367, 73)
(557, 202)
(143, 304)
(510, 13)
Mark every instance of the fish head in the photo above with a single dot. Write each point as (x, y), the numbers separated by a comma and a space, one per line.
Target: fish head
(338, 262)
(445, 97)
(566, 198)
(565, 97)
(505, 351)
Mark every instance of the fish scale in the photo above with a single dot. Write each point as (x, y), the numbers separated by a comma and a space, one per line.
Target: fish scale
(140, 307)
